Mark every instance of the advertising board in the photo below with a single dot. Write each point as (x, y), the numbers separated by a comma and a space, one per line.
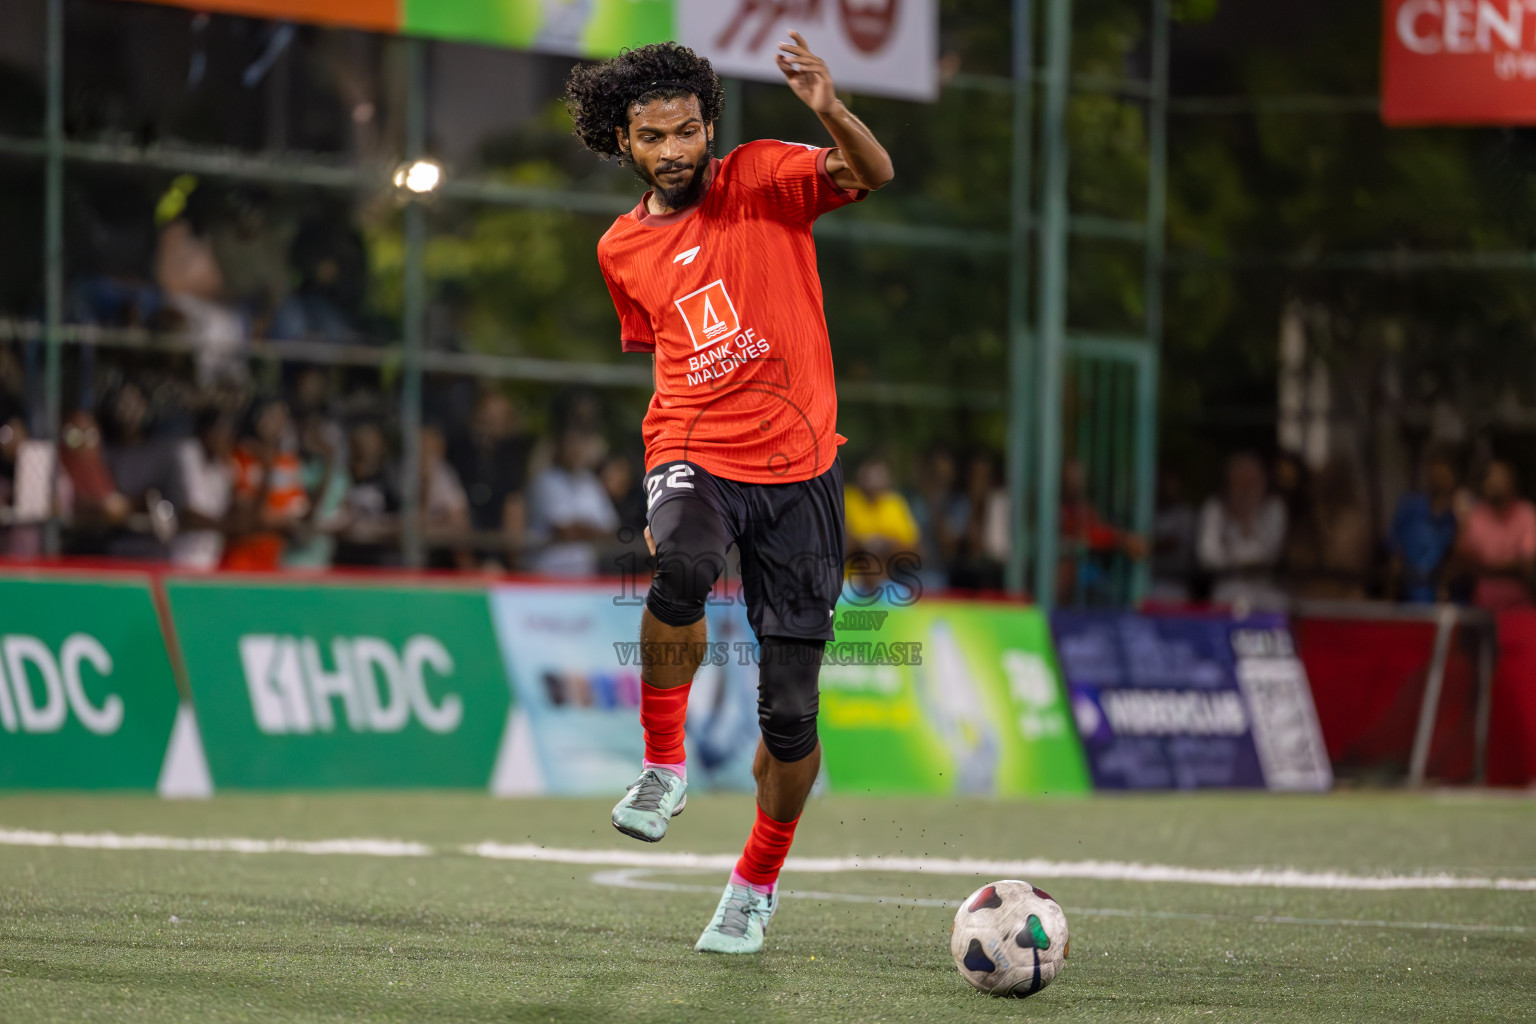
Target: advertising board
(308, 684)
(1185, 702)
(87, 697)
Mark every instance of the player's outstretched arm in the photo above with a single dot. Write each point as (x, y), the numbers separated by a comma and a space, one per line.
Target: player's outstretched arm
(859, 161)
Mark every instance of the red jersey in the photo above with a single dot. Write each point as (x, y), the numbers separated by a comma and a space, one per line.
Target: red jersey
(726, 294)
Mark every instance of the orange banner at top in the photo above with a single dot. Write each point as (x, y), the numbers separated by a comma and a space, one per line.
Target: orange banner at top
(372, 15)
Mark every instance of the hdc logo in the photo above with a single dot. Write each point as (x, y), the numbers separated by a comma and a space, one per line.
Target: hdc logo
(380, 690)
(28, 662)
(709, 314)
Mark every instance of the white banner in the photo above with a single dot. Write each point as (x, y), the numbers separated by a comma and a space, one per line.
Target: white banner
(880, 47)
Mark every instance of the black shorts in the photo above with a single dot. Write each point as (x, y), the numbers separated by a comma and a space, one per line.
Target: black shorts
(789, 536)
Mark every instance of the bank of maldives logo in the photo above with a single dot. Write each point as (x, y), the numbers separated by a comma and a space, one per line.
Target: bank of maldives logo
(709, 314)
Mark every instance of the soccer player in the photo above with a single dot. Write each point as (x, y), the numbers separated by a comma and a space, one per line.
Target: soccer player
(714, 274)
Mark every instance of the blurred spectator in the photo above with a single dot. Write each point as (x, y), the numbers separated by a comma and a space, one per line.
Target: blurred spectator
(13, 431)
(96, 507)
(984, 542)
(1424, 535)
(13, 382)
(569, 512)
(310, 400)
(879, 524)
(112, 301)
(143, 468)
(1086, 540)
(626, 550)
(15, 539)
(322, 468)
(204, 487)
(1328, 550)
(575, 411)
(625, 491)
(1173, 541)
(270, 499)
(251, 246)
(1498, 542)
(492, 462)
(332, 268)
(110, 238)
(38, 488)
(370, 512)
(939, 513)
(1242, 536)
(1292, 484)
(189, 277)
(444, 507)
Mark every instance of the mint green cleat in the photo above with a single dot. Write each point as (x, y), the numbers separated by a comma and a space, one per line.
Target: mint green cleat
(740, 921)
(650, 804)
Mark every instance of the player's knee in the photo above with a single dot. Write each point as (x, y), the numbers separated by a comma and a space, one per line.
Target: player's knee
(788, 698)
(690, 555)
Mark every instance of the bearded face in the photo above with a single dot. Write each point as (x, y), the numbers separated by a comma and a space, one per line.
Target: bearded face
(670, 148)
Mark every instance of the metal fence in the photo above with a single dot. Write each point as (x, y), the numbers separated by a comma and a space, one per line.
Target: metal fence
(1033, 245)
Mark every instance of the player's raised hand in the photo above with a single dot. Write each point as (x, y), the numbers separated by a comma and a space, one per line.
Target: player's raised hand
(807, 74)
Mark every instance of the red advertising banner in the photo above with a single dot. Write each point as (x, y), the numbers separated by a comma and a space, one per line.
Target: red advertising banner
(1458, 62)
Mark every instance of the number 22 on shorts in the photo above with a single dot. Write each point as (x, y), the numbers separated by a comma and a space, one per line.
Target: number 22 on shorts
(675, 477)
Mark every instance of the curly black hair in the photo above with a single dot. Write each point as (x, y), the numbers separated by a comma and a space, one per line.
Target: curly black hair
(599, 96)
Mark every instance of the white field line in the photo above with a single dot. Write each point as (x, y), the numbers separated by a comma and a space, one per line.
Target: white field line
(632, 878)
(1107, 871)
(116, 841)
(1097, 870)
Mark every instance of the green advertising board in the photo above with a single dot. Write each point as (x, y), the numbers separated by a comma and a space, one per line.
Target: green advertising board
(303, 685)
(946, 697)
(306, 684)
(597, 28)
(87, 698)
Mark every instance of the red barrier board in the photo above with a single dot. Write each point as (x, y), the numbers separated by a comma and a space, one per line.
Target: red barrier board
(1512, 730)
(1368, 686)
(1458, 62)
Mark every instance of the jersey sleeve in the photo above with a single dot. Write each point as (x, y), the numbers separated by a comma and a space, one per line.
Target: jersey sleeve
(635, 333)
(794, 181)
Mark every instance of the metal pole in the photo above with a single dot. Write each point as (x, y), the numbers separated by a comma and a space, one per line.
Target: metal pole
(1098, 461)
(1124, 478)
(414, 312)
(53, 260)
(1418, 762)
(1052, 329)
(730, 118)
(1020, 347)
(1087, 380)
(1157, 211)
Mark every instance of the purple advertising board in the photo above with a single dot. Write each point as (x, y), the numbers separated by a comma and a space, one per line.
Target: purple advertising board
(1187, 702)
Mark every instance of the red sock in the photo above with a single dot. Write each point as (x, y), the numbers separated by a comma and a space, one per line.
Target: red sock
(766, 849)
(662, 714)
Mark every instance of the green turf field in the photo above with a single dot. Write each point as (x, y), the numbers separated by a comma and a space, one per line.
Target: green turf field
(142, 935)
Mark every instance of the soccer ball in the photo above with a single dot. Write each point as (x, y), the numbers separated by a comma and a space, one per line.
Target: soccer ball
(1009, 939)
